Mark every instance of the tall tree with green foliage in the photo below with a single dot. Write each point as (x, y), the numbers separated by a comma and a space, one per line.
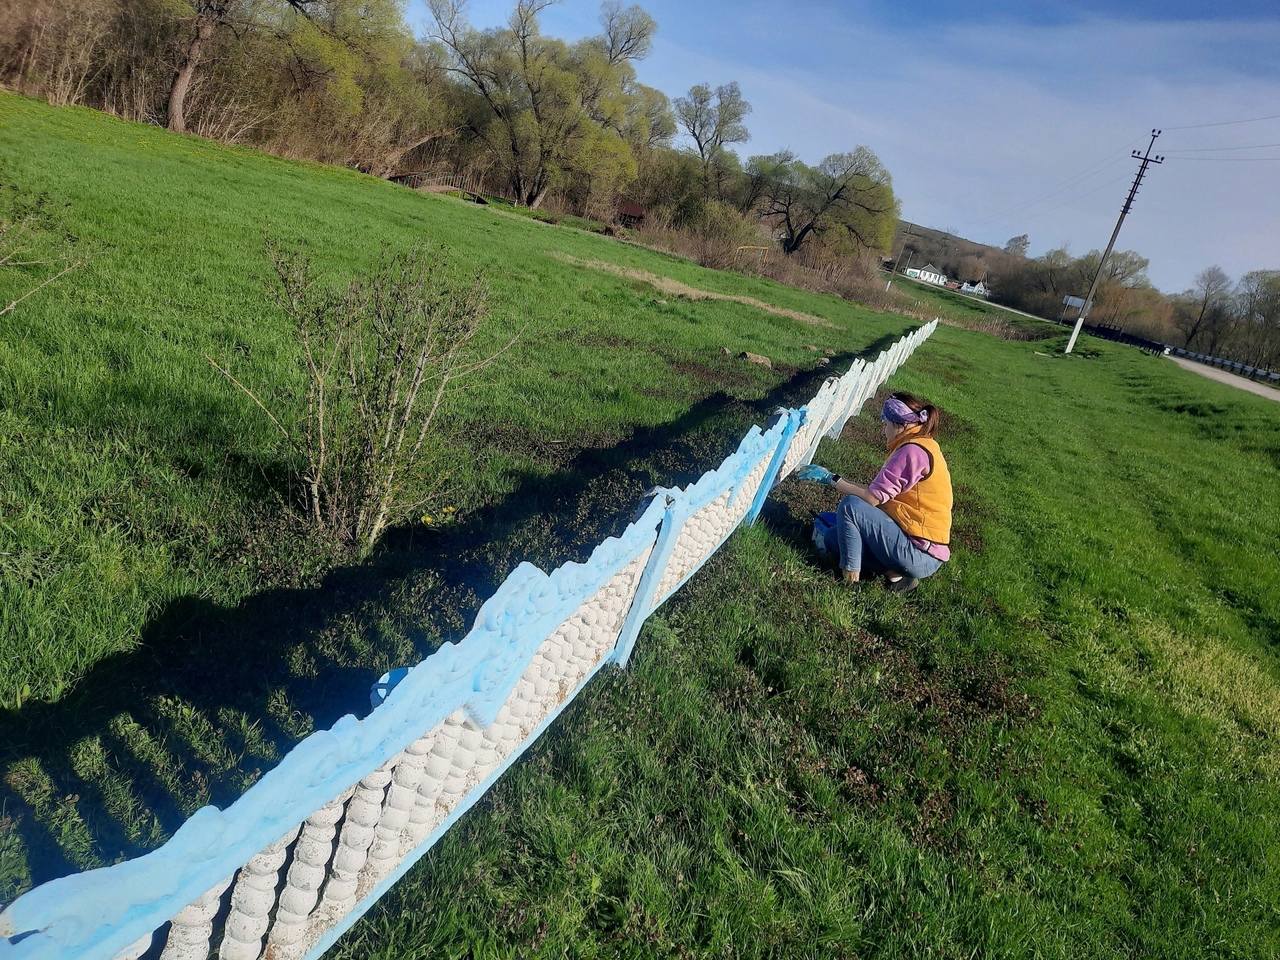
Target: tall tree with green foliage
(846, 199)
(205, 18)
(542, 104)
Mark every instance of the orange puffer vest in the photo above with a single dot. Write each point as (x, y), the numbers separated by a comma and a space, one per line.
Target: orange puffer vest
(925, 510)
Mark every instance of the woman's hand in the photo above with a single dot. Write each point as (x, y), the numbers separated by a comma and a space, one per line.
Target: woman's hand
(816, 473)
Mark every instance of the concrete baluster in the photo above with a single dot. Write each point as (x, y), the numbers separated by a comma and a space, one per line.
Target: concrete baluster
(252, 898)
(402, 795)
(425, 816)
(466, 763)
(191, 931)
(504, 735)
(354, 838)
(306, 875)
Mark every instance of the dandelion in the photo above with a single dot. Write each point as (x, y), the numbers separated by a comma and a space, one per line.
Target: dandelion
(428, 519)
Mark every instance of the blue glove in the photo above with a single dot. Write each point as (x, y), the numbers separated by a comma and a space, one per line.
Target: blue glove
(815, 473)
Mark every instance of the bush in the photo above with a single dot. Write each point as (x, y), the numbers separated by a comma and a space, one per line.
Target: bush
(379, 358)
(711, 237)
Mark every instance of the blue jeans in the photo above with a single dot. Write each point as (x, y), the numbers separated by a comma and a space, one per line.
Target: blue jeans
(867, 533)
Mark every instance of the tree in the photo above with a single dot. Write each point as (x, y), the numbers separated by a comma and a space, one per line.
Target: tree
(849, 195)
(1205, 305)
(207, 18)
(1018, 245)
(713, 119)
(378, 358)
(1258, 306)
(542, 101)
(628, 34)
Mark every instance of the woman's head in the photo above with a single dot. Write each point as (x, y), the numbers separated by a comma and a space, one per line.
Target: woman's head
(903, 410)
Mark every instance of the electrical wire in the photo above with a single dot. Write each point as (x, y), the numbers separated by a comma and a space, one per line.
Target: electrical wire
(1224, 123)
(1229, 159)
(1109, 160)
(1256, 146)
(1067, 203)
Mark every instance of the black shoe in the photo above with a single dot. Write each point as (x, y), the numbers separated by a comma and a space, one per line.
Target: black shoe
(903, 585)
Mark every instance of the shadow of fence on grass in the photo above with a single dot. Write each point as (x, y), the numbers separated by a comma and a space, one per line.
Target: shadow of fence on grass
(212, 696)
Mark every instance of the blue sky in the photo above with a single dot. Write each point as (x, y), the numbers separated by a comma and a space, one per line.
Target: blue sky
(1002, 118)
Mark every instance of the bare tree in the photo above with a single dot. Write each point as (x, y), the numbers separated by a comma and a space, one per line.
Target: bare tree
(628, 34)
(379, 359)
(1207, 304)
(1258, 306)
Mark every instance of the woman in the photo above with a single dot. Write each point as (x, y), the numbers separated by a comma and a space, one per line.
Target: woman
(902, 520)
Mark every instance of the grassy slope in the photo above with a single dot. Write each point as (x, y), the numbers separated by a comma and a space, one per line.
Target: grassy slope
(139, 530)
(104, 381)
(1061, 746)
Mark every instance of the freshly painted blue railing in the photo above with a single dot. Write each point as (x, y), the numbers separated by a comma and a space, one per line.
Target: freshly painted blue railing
(288, 867)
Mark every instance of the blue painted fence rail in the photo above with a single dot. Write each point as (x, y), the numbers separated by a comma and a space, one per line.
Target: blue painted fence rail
(292, 864)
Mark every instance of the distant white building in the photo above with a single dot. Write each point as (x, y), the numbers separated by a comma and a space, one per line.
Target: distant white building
(931, 274)
(978, 289)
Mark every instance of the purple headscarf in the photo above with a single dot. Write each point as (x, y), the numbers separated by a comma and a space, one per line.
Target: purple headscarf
(895, 411)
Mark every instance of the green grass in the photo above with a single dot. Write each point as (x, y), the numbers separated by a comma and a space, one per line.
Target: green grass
(1063, 745)
(968, 311)
(145, 550)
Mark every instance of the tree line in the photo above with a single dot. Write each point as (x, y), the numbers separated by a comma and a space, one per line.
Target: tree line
(1233, 319)
(536, 119)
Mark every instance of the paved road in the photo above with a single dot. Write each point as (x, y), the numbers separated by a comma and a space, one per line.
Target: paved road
(1231, 379)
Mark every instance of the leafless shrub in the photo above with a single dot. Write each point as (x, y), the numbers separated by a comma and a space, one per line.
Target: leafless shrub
(379, 359)
(52, 48)
(710, 240)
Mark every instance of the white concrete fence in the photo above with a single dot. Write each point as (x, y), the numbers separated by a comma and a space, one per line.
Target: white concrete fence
(292, 864)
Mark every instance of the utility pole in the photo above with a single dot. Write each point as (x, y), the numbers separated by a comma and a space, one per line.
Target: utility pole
(1147, 160)
(901, 250)
(904, 269)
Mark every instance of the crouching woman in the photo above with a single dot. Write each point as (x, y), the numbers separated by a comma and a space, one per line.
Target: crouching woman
(901, 522)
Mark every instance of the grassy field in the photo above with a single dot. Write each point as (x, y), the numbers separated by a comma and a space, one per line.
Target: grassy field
(1063, 745)
(168, 629)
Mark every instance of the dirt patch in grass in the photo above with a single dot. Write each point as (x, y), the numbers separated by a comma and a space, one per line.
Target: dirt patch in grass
(730, 376)
(589, 338)
(674, 288)
(951, 370)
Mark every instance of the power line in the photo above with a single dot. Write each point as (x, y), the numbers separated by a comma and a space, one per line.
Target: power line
(1230, 159)
(1059, 187)
(1255, 146)
(1224, 123)
(1040, 198)
(1067, 203)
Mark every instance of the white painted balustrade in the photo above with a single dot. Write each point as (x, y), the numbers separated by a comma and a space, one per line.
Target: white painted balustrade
(288, 867)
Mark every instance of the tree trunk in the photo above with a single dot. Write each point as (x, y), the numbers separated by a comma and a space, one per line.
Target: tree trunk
(182, 79)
